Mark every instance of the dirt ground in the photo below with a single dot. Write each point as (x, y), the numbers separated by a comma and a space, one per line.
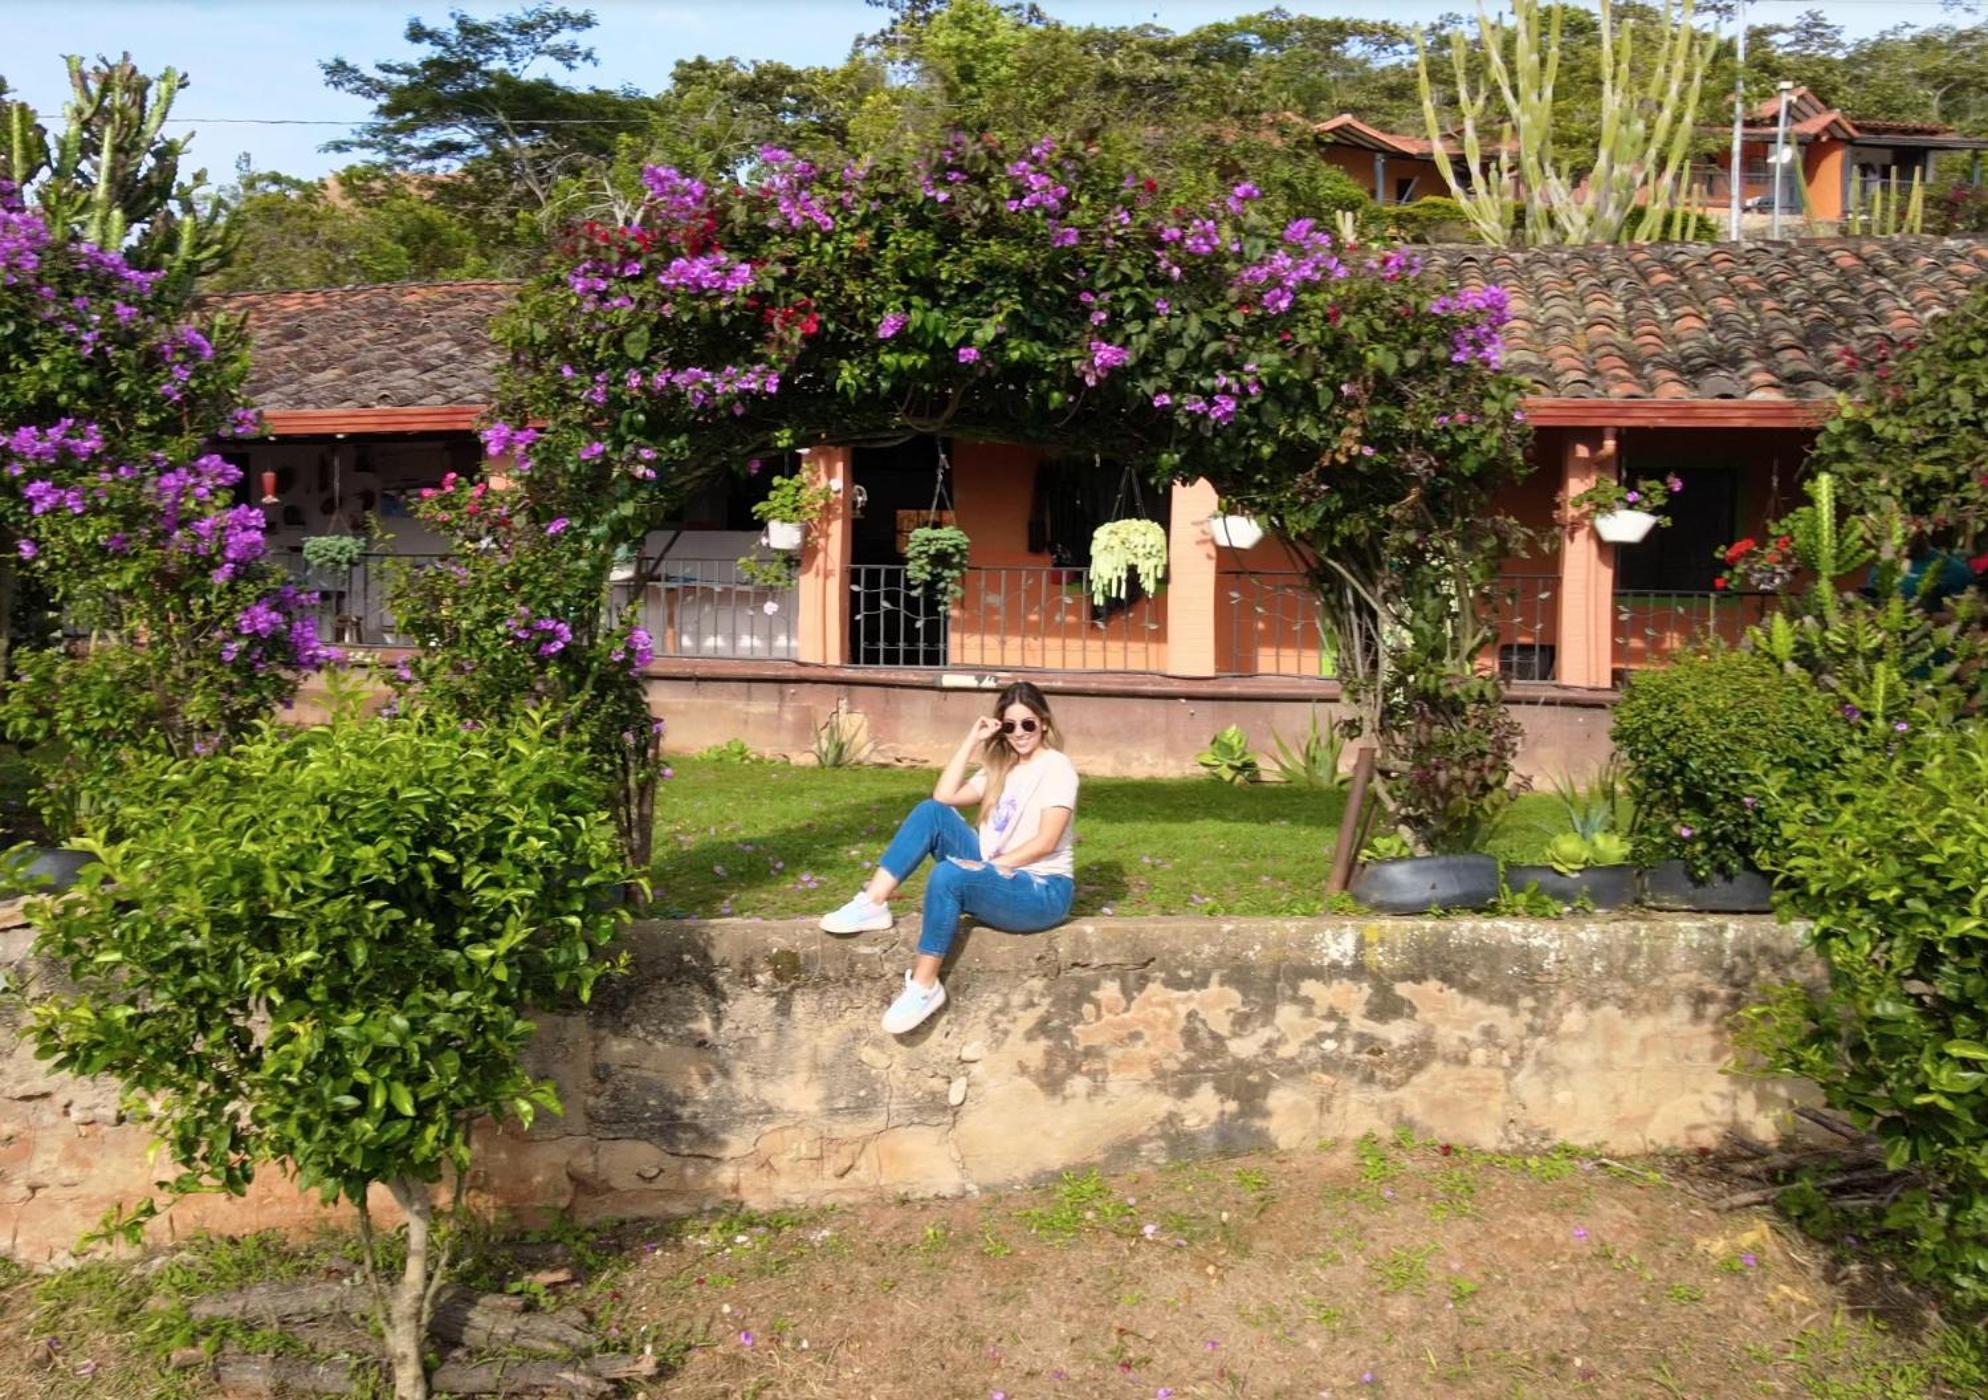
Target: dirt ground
(1369, 1268)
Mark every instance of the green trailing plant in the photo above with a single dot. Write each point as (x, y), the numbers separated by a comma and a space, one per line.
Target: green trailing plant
(1712, 743)
(935, 560)
(334, 553)
(795, 500)
(1627, 188)
(776, 569)
(1887, 860)
(1120, 548)
(1315, 761)
(321, 950)
(1228, 758)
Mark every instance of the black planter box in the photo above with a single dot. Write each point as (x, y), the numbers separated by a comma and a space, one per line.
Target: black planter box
(1422, 883)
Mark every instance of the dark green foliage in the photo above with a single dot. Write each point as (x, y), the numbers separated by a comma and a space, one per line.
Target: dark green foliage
(1914, 432)
(320, 947)
(1889, 861)
(1449, 759)
(1713, 742)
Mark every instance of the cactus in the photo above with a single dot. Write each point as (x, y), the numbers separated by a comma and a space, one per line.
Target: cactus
(1630, 189)
(111, 177)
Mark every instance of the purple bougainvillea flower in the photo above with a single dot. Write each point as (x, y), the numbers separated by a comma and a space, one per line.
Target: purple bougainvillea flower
(892, 324)
(1752, 1261)
(558, 526)
(968, 355)
(1852, 712)
(1580, 1232)
(1687, 832)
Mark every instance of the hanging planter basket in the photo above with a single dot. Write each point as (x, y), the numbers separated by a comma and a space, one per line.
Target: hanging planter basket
(1119, 548)
(1235, 531)
(784, 535)
(1624, 526)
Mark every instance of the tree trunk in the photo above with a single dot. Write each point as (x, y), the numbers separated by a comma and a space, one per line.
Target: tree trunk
(409, 1296)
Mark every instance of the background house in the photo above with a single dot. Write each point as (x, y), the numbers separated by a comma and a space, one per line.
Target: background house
(1715, 362)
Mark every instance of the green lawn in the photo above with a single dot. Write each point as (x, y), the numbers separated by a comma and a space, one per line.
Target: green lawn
(772, 840)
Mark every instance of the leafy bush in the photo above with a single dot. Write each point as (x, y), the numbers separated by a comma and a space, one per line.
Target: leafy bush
(320, 949)
(1228, 759)
(1889, 860)
(1315, 761)
(1449, 764)
(935, 559)
(1710, 741)
(1434, 219)
(1960, 208)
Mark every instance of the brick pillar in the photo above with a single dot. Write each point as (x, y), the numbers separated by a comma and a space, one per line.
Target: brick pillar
(1191, 582)
(822, 631)
(1586, 654)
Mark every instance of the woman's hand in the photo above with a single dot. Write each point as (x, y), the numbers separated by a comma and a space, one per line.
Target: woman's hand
(985, 727)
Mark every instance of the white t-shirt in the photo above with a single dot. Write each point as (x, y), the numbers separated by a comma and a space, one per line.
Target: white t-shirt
(1047, 780)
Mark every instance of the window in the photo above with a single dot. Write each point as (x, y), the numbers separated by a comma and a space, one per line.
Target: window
(1682, 557)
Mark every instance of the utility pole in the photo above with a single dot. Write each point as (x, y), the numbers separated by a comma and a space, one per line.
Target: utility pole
(1735, 175)
(1781, 151)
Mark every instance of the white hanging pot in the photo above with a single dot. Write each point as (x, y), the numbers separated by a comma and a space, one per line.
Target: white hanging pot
(1235, 531)
(1624, 526)
(783, 535)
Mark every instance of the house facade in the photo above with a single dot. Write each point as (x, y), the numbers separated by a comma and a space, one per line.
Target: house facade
(1713, 362)
(1837, 164)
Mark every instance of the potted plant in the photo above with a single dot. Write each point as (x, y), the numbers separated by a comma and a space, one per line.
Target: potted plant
(935, 558)
(1235, 531)
(1590, 870)
(1121, 546)
(791, 505)
(1626, 513)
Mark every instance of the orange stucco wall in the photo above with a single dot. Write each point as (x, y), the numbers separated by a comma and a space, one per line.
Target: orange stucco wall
(1359, 165)
(1822, 173)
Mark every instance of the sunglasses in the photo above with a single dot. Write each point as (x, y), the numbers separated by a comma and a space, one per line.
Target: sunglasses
(1027, 726)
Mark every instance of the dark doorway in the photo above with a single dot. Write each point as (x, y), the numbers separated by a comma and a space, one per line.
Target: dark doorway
(1683, 556)
(890, 624)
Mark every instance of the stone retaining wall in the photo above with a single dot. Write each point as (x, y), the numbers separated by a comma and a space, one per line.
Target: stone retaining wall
(743, 1061)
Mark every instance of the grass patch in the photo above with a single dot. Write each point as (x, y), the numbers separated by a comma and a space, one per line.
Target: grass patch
(771, 840)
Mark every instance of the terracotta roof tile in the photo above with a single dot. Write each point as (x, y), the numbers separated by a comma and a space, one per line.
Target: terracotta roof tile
(1644, 321)
(414, 344)
(1714, 321)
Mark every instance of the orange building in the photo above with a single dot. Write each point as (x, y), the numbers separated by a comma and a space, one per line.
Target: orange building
(1713, 362)
(1390, 167)
(1841, 161)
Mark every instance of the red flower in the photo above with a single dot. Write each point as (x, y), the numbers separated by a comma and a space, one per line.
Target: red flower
(1719, 584)
(1737, 552)
(1979, 563)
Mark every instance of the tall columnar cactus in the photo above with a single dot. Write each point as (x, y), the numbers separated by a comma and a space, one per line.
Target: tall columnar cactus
(1628, 188)
(112, 177)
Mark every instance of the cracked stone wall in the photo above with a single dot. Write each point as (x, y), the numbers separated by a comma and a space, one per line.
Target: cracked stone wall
(743, 1062)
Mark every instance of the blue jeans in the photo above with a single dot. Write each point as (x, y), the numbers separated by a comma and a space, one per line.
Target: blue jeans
(1017, 903)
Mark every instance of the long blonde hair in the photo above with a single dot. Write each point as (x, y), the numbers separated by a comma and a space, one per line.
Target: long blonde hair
(997, 755)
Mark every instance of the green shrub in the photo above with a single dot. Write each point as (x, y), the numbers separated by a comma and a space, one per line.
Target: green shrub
(1710, 741)
(322, 949)
(1434, 219)
(1889, 860)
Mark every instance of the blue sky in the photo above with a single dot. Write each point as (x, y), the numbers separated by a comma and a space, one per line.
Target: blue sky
(259, 60)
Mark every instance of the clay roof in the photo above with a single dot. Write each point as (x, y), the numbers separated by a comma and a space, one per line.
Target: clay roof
(413, 344)
(1763, 321)
(1348, 130)
(1667, 321)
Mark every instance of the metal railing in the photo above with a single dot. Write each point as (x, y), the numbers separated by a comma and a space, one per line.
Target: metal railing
(1525, 611)
(1022, 617)
(701, 607)
(1652, 626)
(1274, 626)
(352, 607)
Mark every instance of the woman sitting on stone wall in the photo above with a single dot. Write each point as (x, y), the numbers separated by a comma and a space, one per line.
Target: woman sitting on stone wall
(1014, 874)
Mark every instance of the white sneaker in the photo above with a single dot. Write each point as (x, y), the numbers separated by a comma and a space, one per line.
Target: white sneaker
(859, 916)
(913, 1005)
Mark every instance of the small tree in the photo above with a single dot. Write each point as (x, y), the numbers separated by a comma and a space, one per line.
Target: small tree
(318, 950)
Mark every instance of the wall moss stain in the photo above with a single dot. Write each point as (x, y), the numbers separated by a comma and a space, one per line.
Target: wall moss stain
(785, 965)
